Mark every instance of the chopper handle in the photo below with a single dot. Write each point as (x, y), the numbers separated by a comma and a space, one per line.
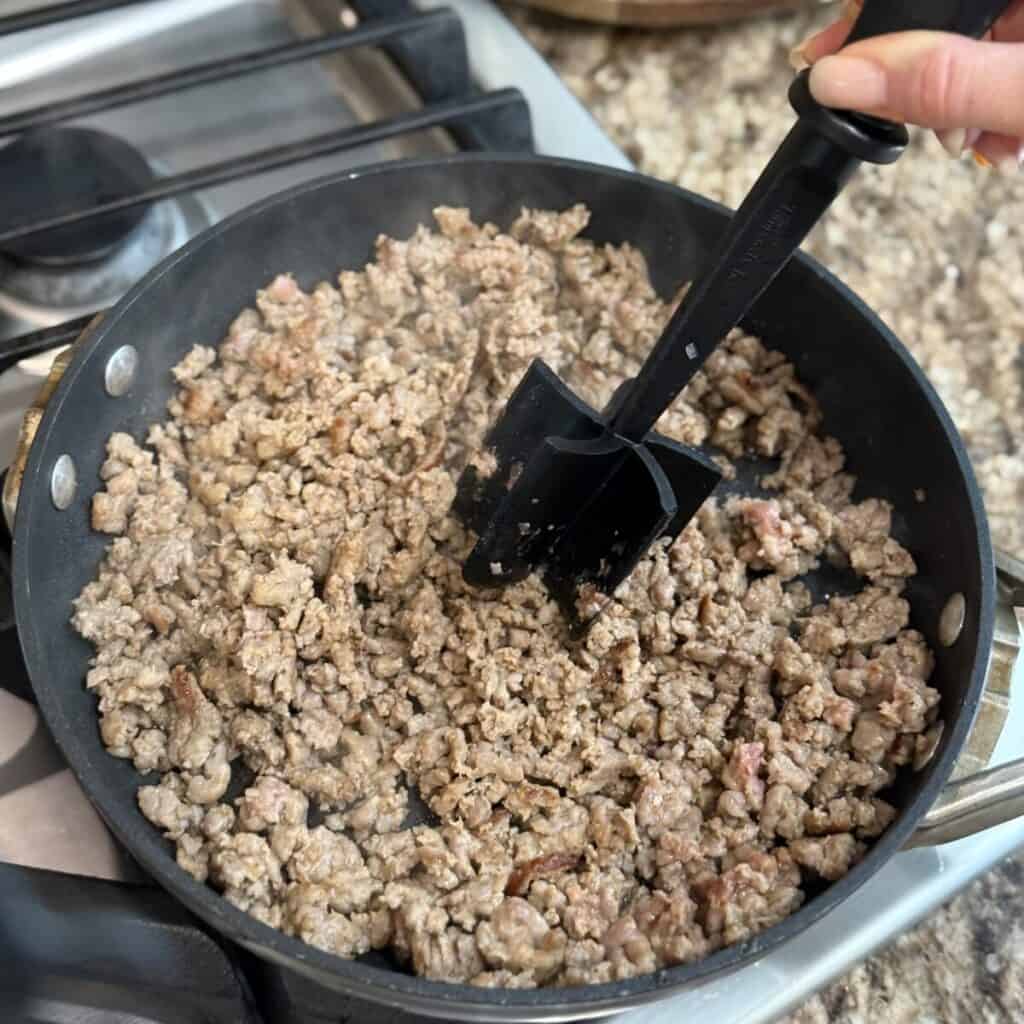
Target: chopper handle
(964, 17)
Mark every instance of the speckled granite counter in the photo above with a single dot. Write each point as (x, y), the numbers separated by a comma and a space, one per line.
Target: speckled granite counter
(964, 965)
(936, 246)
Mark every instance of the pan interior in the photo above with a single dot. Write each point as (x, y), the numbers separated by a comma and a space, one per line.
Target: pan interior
(898, 440)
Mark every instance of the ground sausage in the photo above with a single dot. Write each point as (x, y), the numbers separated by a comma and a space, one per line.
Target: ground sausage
(356, 748)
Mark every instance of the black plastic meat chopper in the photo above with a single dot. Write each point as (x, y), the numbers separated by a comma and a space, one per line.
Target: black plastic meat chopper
(581, 494)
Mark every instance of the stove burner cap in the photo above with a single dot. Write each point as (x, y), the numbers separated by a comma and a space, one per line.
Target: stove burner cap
(55, 170)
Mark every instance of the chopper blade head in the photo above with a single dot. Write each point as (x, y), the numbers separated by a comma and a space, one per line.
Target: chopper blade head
(541, 406)
(568, 498)
(582, 511)
(651, 495)
(691, 475)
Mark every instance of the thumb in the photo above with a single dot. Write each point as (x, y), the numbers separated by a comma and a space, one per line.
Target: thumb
(931, 79)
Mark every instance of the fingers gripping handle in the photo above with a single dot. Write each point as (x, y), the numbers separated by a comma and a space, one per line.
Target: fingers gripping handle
(965, 17)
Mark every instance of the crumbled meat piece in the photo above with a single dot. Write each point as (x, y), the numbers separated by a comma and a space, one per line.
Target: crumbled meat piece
(313, 916)
(872, 616)
(517, 938)
(785, 535)
(759, 890)
(830, 857)
(269, 801)
(741, 773)
(871, 737)
(848, 814)
(863, 533)
(783, 813)
(163, 805)
(282, 604)
(451, 955)
(196, 724)
(244, 867)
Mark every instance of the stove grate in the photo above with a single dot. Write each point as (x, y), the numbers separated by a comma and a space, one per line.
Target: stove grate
(439, 29)
(428, 49)
(54, 14)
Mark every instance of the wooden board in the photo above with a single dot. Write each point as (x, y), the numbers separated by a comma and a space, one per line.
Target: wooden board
(665, 13)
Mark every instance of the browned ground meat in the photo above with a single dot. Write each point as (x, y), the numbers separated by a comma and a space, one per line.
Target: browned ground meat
(283, 591)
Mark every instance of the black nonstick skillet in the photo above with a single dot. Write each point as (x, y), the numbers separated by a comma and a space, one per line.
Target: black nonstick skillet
(898, 437)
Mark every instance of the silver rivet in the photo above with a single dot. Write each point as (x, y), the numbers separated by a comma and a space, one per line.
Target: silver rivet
(951, 621)
(120, 372)
(63, 482)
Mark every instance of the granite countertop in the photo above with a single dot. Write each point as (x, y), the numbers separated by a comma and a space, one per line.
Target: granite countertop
(936, 246)
(963, 965)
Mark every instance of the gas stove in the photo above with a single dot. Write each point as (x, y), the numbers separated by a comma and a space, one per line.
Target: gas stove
(193, 109)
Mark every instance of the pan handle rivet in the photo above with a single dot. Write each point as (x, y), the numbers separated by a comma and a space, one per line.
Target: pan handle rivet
(951, 621)
(120, 373)
(63, 482)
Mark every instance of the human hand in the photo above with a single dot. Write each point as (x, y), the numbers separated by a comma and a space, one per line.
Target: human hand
(970, 92)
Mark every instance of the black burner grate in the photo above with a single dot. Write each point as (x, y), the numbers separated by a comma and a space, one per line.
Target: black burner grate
(428, 48)
(56, 13)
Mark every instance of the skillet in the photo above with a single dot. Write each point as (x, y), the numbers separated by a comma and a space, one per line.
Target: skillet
(898, 437)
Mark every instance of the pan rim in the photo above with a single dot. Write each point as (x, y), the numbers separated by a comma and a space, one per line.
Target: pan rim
(390, 987)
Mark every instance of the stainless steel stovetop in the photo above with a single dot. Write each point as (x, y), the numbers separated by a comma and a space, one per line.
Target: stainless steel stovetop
(45, 820)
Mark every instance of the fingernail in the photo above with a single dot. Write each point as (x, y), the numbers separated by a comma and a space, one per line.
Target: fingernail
(954, 141)
(798, 55)
(957, 141)
(849, 83)
(851, 10)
